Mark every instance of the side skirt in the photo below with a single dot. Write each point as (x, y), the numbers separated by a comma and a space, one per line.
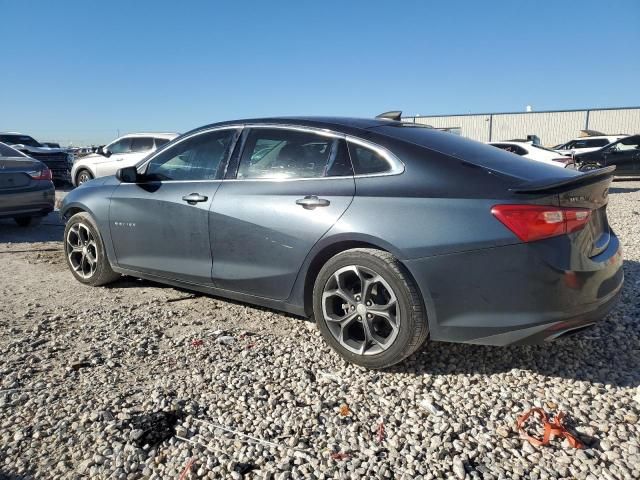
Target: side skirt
(279, 305)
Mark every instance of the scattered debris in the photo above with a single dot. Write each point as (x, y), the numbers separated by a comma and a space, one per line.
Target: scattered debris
(154, 428)
(330, 376)
(551, 405)
(344, 411)
(339, 456)
(196, 343)
(179, 299)
(187, 468)
(380, 435)
(503, 431)
(244, 468)
(431, 407)
(554, 427)
(78, 365)
(225, 340)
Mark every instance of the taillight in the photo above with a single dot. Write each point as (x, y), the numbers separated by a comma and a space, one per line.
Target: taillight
(535, 222)
(44, 174)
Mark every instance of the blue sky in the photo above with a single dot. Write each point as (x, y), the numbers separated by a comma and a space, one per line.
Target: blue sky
(81, 71)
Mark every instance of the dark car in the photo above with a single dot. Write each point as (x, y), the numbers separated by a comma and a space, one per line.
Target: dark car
(623, 154)
(26, 190)
(58, 160)
(387, 232)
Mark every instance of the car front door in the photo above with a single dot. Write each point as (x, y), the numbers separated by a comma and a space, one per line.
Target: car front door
(160, 225)
(130, 154)
(281, 195)
(625, 155)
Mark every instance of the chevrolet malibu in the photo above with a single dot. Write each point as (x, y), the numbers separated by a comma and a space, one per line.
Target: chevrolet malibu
(388, 233)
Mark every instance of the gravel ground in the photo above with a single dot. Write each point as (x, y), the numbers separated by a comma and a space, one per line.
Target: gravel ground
(140, 380)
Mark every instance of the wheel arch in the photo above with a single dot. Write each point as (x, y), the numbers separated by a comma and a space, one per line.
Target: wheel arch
(322, 252)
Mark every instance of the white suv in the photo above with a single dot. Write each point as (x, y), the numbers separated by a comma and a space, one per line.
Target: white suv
(587, 144)
(125, 151)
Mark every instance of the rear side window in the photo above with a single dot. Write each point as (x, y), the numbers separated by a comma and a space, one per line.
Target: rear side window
(279, 154)
(141, 144)
(507, 147)
(9, 152)
(590, 143)
(161, 141)
(367, 161)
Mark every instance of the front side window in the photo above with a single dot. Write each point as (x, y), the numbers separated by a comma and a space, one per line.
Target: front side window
(141, 144)
(161, 141)
(121, 146)
(277, 153)
(367, 161)
(196, 158)
(629, 143)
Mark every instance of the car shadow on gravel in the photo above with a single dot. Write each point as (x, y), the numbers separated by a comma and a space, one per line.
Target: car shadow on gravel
(51, 229)
(608, 353)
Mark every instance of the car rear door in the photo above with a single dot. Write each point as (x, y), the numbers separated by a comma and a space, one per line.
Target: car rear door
(160, 225)
(286, 188)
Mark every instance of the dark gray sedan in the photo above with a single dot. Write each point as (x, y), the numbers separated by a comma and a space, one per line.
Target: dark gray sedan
(388, 233)
(26, 191)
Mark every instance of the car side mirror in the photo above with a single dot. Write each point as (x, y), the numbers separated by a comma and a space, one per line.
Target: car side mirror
(128, 175)
(106, 152)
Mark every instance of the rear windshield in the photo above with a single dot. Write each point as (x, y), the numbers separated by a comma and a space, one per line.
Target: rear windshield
(16, 139)
(475, 152)
(6, 151)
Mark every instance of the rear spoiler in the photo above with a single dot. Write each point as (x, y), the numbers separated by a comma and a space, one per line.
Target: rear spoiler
(552, 184)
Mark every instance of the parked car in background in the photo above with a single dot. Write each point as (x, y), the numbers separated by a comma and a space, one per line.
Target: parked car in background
(623, 154)
(123, 152)
(389, 233)
(26, 191)
(51, 145)
(534, 152)
(586, 144)
(58, 160)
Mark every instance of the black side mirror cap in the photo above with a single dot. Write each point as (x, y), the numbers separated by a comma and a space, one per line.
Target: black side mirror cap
(127, 175)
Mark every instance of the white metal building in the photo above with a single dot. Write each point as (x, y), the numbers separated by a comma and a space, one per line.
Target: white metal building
(552, 127)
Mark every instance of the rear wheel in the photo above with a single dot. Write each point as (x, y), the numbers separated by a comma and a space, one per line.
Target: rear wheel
(84, 252)
(28, 221)
(368, 308)
(83, 176)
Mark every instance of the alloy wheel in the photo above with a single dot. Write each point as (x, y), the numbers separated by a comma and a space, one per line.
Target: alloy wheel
(83, 177)
(361, 310)
(82, 250)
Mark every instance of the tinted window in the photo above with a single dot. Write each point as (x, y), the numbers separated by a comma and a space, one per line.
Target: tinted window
(629, 143)
(278, 153)
(590, 143)
(367, 161)
(161, 141)
(339, 161)
(141, 144)
(6, 151)
(16, 139)
(507, 147)
(196, 158)
(121, 146)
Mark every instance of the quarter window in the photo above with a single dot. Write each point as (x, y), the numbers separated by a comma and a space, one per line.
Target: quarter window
(141, 144)
(196, 158)
(367, 161)
(279, 153)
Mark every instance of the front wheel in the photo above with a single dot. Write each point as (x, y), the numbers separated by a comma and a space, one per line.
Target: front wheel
(83, 176)
(84, 252)
(368, 308)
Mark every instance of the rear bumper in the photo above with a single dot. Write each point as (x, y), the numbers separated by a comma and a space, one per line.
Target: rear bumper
(36, 201)
(511, 295)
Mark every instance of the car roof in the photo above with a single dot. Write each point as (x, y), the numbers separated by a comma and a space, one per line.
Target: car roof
(169, 135)
(344, 124)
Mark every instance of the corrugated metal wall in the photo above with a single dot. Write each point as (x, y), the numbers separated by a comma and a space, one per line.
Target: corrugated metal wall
(552, 127)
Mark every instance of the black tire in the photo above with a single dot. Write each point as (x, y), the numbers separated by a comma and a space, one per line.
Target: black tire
(28, 221)
(587, 167)
(98, 273)
(83, 173)
(411, 320)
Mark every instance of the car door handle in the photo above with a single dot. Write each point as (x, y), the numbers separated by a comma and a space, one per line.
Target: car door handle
(311, 201)
(194, 198)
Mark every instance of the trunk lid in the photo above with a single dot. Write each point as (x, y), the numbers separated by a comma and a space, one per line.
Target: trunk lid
(13, 172)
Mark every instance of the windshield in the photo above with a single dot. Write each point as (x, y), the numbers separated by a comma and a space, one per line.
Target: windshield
(17, 139)
(7, 151)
